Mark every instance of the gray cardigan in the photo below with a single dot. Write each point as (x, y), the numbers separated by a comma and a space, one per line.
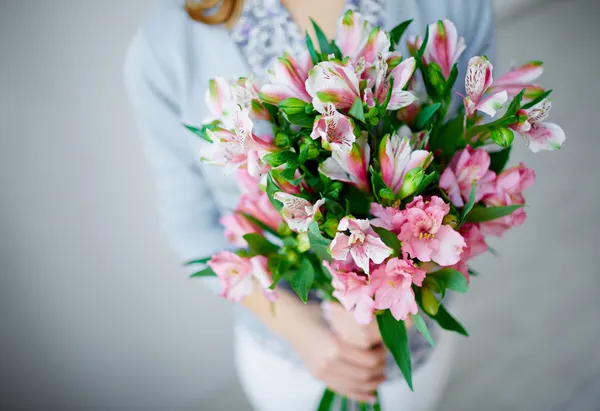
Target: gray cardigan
(168, 65)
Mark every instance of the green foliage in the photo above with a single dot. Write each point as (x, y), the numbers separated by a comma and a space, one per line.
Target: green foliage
(326, 400)
(469, 206)
(318, 243)
(279, 158)
(206, 272)
(277, 265)
(311, 50)
(421, 326)
(271, 190)
(448, 278)
(303, 279)
(395, 339)
(499, 159)
(502, 136)
(199, 261)
(481, 214)
(537, 100)
(425, 115)
(258, 245)
(357, 110)
(397, 32)
(390, 239)
(201, 132)
(359, 204)
(447, 322)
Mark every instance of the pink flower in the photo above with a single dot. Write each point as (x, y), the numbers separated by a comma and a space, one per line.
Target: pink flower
(396, 159)
(236, 227)
(362, 243)
(287, 80)
(247, 183)
(333, 82)
(220, 98)
(509, 188)
(444, 46)
(521, 78)
(424, 237)
(225, 150)
(358, 41)
(259, 207)
(393, 287)
(475, 241)
(350, 167)
(236, 273)
(479, 79)
(390, 218)
(352, 290)
(334, 129)
(297, 212)
(378, 83)
(538, 134)
(467, 166)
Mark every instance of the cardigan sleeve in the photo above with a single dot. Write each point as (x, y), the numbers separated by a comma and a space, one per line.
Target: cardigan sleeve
(188, 213)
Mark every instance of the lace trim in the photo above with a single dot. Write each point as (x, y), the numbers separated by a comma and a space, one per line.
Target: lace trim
(265, 30)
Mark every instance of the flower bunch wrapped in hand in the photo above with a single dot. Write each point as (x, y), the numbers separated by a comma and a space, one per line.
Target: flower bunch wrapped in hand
(361, 181)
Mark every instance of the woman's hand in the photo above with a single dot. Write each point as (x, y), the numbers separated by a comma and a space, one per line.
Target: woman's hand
(345, 327)
(351, 371)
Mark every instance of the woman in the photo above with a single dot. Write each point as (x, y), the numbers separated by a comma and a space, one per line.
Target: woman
(284, 361)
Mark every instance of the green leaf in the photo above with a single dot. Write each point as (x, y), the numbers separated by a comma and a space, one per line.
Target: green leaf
(422, 328)
(311, 50)
(326, 400)
(536, 100)
(421, 51)
(436, 78)
(425, 182)
(480, 214)
(499, 159)
(425, 115)
(469, 205)
(397, 32)
(272, 109)
(300, 119)
(515, 104)
(324, 45)
(207, 272)
(201, 132)
(292, 106)
(277, 266)
(376, 179)
(279, 158)
(271, 190)
(257, 244)
(199, 261)
(447, 322)
(390, 239)
(502, 136)
(318, 243)
(302, 281)
(451, 80)
(474, 273)
(359, 202)
(388, 96)
(357, 110)
(449, 278)
(344, 404)
(395, 338)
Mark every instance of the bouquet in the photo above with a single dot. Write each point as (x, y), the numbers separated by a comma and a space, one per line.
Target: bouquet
(361, 181)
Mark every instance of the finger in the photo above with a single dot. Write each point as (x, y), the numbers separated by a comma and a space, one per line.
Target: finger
(371, 358)
(356, 375)
(340, 387)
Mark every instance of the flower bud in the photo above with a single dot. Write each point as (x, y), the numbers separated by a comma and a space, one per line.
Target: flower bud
(429, 302)
(292, 257)
(292, 106)
(411, 182)
(451, 220)
(502, 136)
(282, 140)
(303, 242)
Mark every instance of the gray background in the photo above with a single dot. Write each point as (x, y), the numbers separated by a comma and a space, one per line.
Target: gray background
(95, 313)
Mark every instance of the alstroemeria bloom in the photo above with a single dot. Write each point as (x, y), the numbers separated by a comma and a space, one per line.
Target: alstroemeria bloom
(538, 134)
(350, 167)
(297, 212)
(259, 207)
(352, 290)
(468, 166)
(521, 78)
(220, 98)
(444, 46)
(378, 84)
(392, 283)
(287, 80)
(424, 237)
(361, 242)
(390, 218)
(236, 227)
(475, 241)
(397, 158)
(477, 82)
(225, 150)
(236, 273)
(335, 130)
(509, 188)
(333, 82)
